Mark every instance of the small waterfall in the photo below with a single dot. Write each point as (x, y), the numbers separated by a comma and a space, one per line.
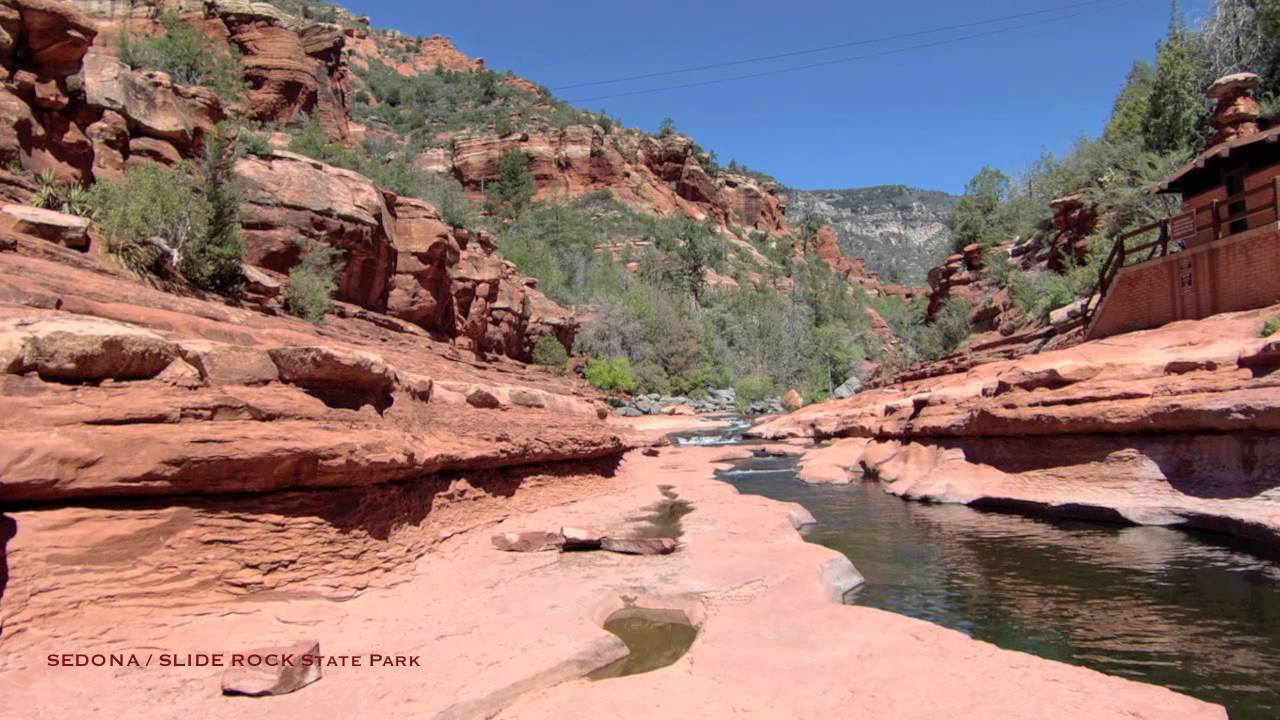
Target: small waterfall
(719, 436)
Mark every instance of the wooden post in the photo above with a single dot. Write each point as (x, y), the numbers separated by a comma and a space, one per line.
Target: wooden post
(1275, 199)
(1217, 226)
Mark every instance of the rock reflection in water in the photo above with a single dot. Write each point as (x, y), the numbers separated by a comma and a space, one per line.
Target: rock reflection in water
(1152, 604)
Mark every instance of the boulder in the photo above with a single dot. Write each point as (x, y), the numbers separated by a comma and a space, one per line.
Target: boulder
(79, 349)
(67, 230)
(530, 541)
(288, 672)
(581, 538)
(848, 388)
(153, 104)
(287, 198)
(220, 364)
(792, 400)
(639, 546)
(360, 377)
(144, 149)
(481, 398)
(51, 34)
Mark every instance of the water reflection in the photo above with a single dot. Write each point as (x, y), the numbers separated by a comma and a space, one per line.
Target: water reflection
(1152, 604)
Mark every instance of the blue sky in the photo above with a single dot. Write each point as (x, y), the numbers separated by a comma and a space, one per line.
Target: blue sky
(928, 117)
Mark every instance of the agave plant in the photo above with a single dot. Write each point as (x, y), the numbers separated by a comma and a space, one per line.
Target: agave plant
(69, 198)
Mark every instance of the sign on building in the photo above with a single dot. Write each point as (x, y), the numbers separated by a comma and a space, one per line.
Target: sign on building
(1186, 276)
(1182, 227)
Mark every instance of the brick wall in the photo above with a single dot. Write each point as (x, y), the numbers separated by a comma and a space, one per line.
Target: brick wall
(1236, 273)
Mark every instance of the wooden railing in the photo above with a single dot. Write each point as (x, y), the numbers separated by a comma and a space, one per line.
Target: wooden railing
(1172, 236)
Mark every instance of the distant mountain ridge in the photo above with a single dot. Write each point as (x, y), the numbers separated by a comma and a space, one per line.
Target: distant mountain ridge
(900, 231)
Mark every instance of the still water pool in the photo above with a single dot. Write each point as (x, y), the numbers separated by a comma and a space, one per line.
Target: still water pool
(1151, 604)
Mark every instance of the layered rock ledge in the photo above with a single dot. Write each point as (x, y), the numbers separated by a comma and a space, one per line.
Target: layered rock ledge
(1172, 426)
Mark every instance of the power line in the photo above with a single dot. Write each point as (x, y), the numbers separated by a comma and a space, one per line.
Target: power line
(827, 63)
(825, 48)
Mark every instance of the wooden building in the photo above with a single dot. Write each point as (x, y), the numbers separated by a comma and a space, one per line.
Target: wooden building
(1222, 251)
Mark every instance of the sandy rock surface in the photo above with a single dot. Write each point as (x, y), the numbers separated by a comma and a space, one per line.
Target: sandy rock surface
(514, 633)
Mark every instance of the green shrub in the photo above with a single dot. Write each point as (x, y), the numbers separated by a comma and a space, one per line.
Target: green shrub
(149, 215)
(611, 375)
(211, 260)
(652, 378)
(1270, 327)
(252, 142)
(311, 284)
(549, 352)
(953, 325)
(449, 197)
(186, 54)
(752, 389)
(1037, 294)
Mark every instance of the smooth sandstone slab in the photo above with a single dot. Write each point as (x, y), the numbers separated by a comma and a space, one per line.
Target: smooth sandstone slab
(511, 635)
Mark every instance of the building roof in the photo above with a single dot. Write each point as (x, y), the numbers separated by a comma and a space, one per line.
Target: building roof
(1214, 155)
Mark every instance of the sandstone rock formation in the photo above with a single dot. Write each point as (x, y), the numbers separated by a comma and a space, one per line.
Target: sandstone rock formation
(400, 256)
(291, 65)
(657, 175)
(212, 399)
(1236, 112)
(1170, 426)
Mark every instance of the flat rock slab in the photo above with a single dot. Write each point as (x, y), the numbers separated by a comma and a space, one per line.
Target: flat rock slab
(532, 541)
(639, 546)
(68, 230)
(580, 538)
(273, 670)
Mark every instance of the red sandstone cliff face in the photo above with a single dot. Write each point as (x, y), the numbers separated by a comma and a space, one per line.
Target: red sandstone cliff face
(654, 175)
(79, 113)
(401, 258)
(291, 65)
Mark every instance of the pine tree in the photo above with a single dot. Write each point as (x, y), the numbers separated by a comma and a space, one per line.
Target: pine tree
(211, 261)
(975, 218)
(1173, 122)
(511, 193)
(1132, 105)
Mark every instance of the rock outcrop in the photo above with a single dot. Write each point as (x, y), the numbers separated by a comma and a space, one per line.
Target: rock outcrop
(400, 256)
(291, 66)
(1172, 426)
(659, 175)
(899, 231)
(209, 399)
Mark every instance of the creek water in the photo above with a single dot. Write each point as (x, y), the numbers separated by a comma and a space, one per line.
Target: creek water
(1157, 605)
